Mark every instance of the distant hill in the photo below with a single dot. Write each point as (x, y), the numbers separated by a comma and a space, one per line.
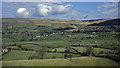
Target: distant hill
(96, 22)
(107, 23)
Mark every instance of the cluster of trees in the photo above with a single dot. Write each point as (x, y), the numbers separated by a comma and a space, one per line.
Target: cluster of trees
(40, 53)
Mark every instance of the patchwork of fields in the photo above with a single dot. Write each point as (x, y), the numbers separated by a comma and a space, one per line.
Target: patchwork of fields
(50, 42)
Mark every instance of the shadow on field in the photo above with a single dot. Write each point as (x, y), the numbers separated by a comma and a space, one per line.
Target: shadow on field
(107, 23)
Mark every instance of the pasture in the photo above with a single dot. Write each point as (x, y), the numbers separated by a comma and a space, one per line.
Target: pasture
(50, 42)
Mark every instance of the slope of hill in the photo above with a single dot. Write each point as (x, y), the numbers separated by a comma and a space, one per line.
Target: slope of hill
(49, 41)
(107, 23)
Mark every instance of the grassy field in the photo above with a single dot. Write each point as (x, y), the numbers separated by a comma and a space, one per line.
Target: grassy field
(17, 55)
(54, 39)
(82, 61)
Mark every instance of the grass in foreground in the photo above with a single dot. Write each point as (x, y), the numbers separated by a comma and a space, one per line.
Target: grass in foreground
(82, 61)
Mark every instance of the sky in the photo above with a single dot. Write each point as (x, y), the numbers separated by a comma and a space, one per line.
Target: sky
(60, 0)
(60, 10)
(86, 6)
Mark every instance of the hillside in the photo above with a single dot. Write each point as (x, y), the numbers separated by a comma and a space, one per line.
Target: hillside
(36, 41)
(107, 23)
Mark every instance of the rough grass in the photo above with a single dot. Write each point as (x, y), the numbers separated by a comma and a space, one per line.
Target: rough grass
(83, 61)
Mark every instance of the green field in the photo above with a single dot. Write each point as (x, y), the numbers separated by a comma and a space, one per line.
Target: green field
(83, 61)
(52, 42)
(17, 55)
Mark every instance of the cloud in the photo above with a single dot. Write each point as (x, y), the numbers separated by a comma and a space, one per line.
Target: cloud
(62, 8)
(40, 9)
(46, 10)
(108, 10)
(22, 12)
(56, 10)
(43, 10)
